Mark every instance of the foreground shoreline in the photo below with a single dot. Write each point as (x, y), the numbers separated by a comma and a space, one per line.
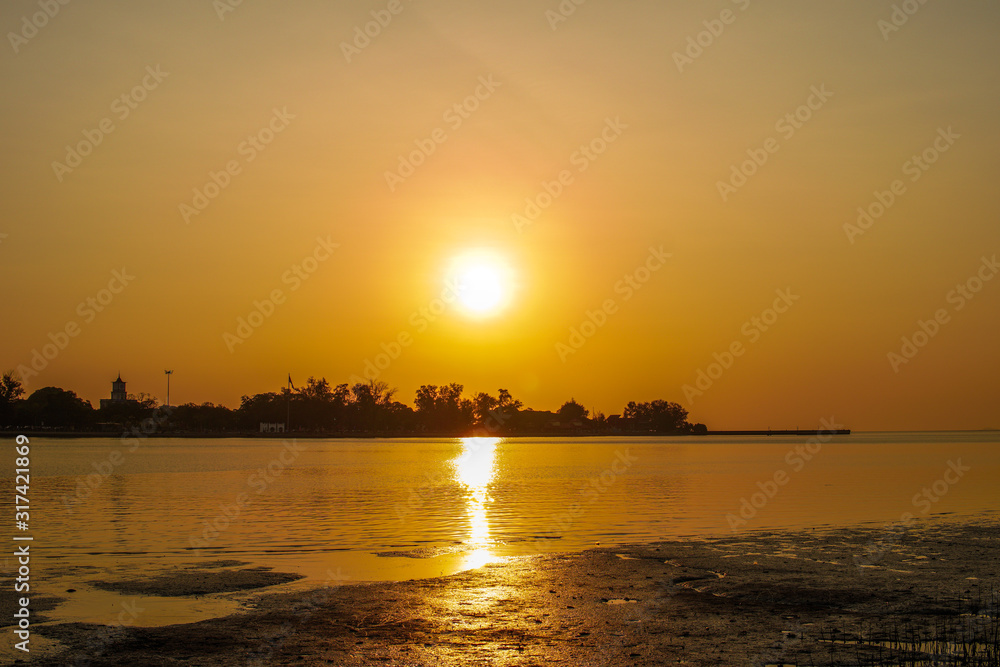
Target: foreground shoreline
(755, 598)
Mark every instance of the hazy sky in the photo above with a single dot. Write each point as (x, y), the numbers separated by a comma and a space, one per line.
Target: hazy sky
(641, 108)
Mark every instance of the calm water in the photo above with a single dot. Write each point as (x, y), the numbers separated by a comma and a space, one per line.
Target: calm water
(393, 509)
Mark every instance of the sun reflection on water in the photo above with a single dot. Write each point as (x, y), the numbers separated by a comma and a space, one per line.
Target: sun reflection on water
(474, 469)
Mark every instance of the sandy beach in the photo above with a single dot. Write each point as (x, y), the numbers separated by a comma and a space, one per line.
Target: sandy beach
(762, 598)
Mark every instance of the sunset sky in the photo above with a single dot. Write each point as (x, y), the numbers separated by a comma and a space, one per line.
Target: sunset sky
(640, 109)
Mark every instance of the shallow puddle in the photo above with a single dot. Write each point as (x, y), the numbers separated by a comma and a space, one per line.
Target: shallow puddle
(93, 605)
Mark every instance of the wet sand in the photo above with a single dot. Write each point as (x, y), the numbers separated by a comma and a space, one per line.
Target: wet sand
(750, 599)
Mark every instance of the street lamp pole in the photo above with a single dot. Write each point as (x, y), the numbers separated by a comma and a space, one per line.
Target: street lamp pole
(168, 374)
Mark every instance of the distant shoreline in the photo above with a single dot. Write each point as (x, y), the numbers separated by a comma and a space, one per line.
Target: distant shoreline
(312, 435)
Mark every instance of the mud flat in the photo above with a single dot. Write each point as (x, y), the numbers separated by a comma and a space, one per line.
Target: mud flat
(755, 598)
(199, 581)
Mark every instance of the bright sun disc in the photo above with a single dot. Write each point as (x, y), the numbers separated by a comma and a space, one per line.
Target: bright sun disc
(482, 283)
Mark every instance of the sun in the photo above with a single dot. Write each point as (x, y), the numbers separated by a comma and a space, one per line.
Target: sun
(482, 282)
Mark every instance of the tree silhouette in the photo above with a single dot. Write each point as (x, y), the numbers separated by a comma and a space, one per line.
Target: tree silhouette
(506, 402)
(482, 406)
(660, 416)
(204, 418)
(366, 407)
(441, 409)
(572, 411)
(11, 391)
(52, 407)
(373, 402)
(269, 407)
(128, 413)
(320, 407)
(373, 392)
(11, 388)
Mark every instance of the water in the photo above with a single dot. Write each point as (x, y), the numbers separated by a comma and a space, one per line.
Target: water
(398, 509)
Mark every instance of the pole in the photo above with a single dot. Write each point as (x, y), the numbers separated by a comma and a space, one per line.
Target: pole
(168, 374)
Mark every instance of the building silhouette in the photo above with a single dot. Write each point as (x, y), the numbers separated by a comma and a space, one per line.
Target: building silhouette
(118, 393)
(269, 427)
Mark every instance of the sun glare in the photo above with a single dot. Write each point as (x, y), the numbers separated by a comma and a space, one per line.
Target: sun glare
(474, 469)
(482, 282)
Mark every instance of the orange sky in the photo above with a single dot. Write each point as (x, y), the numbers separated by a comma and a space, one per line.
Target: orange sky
(298, 120)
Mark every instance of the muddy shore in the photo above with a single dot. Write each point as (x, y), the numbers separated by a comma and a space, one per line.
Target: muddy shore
(761, 598)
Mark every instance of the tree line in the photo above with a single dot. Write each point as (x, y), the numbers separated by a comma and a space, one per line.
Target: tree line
(319, 407)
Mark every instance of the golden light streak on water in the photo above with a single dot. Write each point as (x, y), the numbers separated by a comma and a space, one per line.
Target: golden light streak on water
(474, 468)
